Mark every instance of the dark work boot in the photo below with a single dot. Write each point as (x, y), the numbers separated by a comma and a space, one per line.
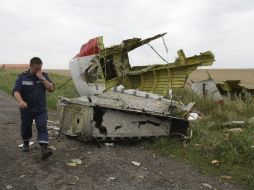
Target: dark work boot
(45, 152)
(25, 147)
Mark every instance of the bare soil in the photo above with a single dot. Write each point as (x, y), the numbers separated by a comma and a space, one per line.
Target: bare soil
(102, 168)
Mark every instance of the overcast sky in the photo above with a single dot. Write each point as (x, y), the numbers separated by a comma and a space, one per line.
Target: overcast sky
(55, 29)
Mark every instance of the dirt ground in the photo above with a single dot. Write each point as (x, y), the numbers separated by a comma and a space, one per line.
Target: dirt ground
(102, 168)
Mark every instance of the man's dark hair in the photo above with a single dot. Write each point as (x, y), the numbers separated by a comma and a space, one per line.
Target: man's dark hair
(35, 61)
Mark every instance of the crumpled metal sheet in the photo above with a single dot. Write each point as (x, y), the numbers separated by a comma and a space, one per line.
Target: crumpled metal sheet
(129, 102)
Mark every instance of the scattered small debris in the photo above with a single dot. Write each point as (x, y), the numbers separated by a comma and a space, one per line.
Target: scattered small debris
(111, 179)
(76, 177)
(196, 145)
(207, 185)
(9, 187)
(135, 163)
(74, 162)
(52, 122)
(22, 176)
(52, 147)
(140, 177)
(30, 143)
(109, 144)
(192, 116)
(77, 161)
(53, 127)
(226, 177)
(154, 156)
(215, 162)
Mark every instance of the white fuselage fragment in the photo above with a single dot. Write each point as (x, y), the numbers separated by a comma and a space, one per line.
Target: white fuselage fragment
(77, 68)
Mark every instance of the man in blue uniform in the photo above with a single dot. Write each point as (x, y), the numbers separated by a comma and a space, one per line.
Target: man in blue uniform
(30, 92)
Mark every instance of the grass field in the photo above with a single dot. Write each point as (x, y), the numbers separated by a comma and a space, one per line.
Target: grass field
(232, 153)
(8, 77)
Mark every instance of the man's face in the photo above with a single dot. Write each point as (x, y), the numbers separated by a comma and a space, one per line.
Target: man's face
(35, 68)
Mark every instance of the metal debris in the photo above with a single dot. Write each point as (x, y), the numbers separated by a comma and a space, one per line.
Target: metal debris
(114, 114)
(215, 162)
(230, 88)
(109, 144)
(227, 177)
(74, 162)
(77, 161)
(121, 101)
(52, 147)
(96, 68)
(207, 185)
(140, 177)
(135, 163)
(207, 89)
(9, 187)
(192, 116)
(111, 179)
(53, 127)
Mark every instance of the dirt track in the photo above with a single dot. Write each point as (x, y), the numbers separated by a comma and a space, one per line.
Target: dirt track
(26, 171)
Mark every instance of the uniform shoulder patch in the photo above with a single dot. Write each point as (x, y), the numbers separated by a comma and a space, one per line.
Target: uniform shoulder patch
(24, 73)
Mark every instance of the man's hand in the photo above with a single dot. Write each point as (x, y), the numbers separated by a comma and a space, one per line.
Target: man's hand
(39, 74)
(22, 104)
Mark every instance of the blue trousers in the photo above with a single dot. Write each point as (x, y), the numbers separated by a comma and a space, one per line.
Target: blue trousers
(41, 125)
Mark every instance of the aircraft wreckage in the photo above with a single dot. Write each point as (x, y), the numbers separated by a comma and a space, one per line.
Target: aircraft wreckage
(120, 101)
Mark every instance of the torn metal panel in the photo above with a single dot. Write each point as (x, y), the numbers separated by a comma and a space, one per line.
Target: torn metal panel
(128, 45)
(160, 78)
(76, 120)
(119, 115)
(230, 86)
(97, 68)
(130, 125)
(234, 89)
(207, 88)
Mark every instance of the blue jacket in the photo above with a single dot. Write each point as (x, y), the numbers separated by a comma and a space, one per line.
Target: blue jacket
(32, 91)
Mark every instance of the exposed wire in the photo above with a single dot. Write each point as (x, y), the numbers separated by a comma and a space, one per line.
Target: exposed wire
(157, 53)
(165, 44)
(184, 136)
(63, 84)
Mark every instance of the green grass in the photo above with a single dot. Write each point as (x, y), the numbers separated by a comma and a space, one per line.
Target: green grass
(8, 78)
(209, 142)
